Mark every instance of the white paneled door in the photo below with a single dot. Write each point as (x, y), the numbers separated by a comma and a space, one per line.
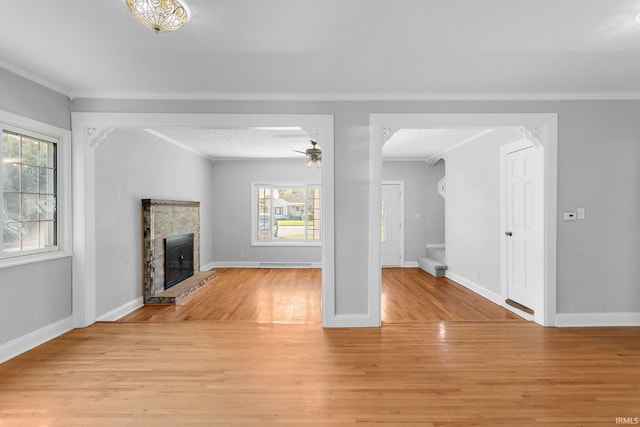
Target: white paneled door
(392, 227)
(524, 222)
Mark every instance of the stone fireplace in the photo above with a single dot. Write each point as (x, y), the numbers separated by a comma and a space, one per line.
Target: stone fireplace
(165, 221)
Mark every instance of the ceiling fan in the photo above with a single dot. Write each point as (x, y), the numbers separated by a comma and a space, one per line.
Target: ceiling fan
(314, 155)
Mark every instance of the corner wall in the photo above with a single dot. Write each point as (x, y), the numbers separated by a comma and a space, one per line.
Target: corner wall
(473, 230)
(132, 165)
(37, 296)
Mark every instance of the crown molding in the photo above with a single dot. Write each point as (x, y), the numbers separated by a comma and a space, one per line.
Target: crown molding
(217, 96)
(329, 96)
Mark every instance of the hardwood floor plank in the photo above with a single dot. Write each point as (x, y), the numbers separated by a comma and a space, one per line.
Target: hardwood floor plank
(248, 350)
(239, 373)
(410, 294)
(247, 294)
(293, 296)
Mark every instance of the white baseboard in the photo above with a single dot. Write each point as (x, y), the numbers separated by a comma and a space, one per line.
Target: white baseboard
(121, 311)
(207, 267)
(35, 338)
(259, 264)
(410, 264)
(435, 246)
(351, 321)
(597, 319)
(290, 265)
(480, 290)
(235, 264)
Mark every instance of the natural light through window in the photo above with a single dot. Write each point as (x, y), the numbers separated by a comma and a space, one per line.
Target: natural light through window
(29, 194)
(286, 214)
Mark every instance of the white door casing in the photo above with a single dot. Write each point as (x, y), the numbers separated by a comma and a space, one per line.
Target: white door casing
(392, 227)
(522, 262)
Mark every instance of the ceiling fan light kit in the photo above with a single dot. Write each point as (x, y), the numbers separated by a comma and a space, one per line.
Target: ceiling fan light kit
(159, 15)
(314, 156)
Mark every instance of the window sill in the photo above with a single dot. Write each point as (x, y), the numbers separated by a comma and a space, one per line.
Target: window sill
(32, 259)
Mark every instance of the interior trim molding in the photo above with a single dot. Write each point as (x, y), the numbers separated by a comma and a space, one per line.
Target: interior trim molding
(397, 96)
(352, 321)
(84, 180)
(121, 311)
(236, 96)
(472, 286)
(548, 122)
(597, 319)
(33, 339)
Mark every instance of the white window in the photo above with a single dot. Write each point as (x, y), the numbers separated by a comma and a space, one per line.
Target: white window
(32, 217)
(286, 214)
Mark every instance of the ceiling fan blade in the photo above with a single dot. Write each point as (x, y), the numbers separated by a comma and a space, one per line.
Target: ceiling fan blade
(301, 152)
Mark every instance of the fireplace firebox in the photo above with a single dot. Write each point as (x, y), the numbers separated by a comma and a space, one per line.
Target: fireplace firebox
(178, 259)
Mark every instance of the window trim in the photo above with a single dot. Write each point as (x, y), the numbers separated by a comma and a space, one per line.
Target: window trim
(62, 138)
(254, 213)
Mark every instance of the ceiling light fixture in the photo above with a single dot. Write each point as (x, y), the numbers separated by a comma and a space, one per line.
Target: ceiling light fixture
(314, 155)
(637, 17)
(159, 15)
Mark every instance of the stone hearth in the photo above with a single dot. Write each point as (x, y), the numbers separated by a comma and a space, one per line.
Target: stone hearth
(182, 290)
(162, 219)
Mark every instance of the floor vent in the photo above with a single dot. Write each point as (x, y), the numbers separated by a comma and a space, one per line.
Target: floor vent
(519, 306)
(285, 265)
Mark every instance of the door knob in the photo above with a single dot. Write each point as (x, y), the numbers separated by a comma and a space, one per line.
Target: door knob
(508, 233)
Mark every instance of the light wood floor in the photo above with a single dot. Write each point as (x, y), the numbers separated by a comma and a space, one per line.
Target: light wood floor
(155, 371)
(204, 373)
(293, 296)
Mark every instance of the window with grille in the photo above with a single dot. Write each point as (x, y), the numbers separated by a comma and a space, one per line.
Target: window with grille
(29, 193)
(286, 214)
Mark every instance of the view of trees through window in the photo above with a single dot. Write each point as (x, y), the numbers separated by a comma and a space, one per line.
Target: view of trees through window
(288, 213)
(28, 193)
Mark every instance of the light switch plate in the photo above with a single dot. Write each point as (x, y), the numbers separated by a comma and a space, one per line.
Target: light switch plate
(580, 213)
(570, 216)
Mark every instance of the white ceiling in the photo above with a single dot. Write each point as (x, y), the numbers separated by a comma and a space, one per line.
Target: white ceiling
(426, 144)
(239, 144)
(340, 49)
(328, 49)
(281, 143)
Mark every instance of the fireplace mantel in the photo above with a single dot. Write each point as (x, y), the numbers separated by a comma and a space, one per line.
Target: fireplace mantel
(156, 202)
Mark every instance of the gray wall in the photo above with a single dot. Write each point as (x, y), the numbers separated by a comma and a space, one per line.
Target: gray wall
(598, 154)
(39, 294)
(28, 99)
(231, 187)
(473, 227)
(132, 165)
(598, 151)
(420, 199)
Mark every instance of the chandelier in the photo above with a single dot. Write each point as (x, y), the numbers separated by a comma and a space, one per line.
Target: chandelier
(159, 15)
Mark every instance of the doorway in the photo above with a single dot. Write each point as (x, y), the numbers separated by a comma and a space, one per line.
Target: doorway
(392, 224)
(522, 211)
(384, 125)
(89, 129)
